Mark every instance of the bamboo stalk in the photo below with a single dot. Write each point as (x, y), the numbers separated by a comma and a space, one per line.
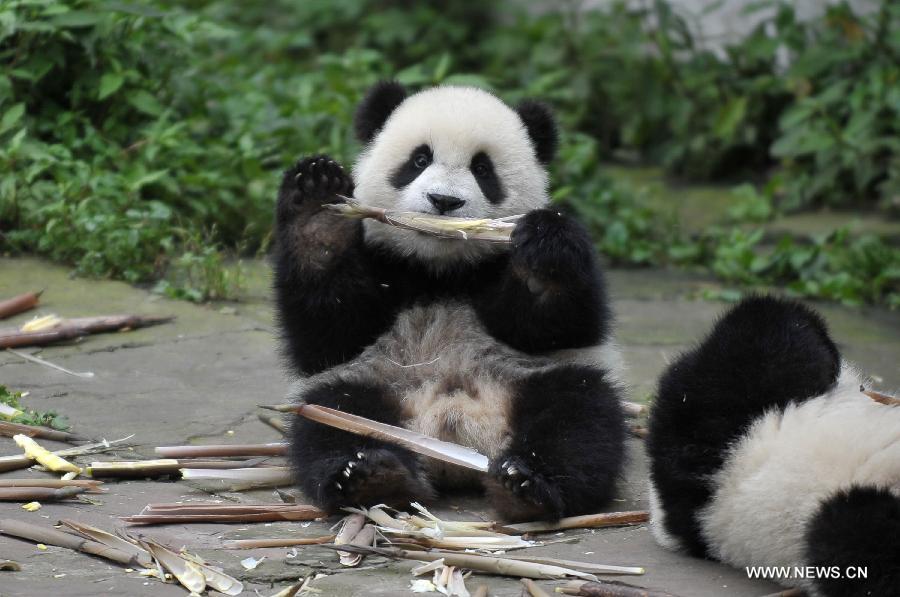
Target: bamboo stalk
(241, 478)
(492, 230)
(11, 463)
(533, 589)
(89, 485)
(68, 329)
(276, 423)
(261, 543)
(587, 521)
(608, 589)
(422, 444)
(19, 304)
(8, 429)
(489, 564)
(179, 513)
(139, 554)
(273, 449)
(51, 536)
(583, 566)
(161, 467)
(882, 398)
(44, 494)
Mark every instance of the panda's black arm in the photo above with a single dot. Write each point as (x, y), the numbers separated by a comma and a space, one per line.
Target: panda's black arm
(330, 304)
(551, 295)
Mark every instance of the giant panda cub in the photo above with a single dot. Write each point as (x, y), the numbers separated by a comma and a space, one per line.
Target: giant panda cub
(505, 349)
(764, 452)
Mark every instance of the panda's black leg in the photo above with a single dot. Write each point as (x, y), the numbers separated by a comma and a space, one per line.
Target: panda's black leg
(335, 468)
(567, 446)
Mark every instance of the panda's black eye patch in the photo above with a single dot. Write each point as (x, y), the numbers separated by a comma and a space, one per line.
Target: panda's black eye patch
(419, 159)
(483, 170)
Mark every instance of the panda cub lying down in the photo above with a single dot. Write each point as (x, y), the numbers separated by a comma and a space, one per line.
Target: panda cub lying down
(505, 349)
(764, 452)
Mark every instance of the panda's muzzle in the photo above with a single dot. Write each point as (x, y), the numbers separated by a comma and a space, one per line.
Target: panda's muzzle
(445, 203)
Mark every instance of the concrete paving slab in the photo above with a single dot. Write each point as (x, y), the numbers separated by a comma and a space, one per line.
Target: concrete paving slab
(198, 381)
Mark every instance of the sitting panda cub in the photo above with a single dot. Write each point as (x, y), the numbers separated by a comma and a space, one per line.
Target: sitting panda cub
(764, 452)
(503, 348)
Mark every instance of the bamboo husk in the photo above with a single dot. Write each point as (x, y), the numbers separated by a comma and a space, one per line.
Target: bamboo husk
(88, 485)
(19, 304)
(497, 230)
(421, 444)
(187, 573)
(587, 521)
(239, 479)
(633, 409)
(160, 467)
(51, 536)
(276, 423)
(44, 494)
(273, 449)
(533, 589)
(608, 589)
(489, 564)
(351, 525)
(179, 513)
(68, 329)
(11, 463)
(8, 429)
(261, 543)
(481, 591)
(882, 398)
(139, 554)
(41, 455)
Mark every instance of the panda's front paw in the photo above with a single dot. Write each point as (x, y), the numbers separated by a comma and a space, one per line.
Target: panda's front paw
(375, 476)
(318, 179)
(550, 246)
(519, 492)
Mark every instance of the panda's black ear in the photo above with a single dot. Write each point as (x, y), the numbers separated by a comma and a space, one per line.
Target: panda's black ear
(371, 114)
(541, 125)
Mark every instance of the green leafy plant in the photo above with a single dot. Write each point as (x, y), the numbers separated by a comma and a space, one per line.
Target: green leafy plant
(29, 416)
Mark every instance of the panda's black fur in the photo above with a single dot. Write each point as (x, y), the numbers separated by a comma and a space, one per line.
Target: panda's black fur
(345, 302)
(751, 462)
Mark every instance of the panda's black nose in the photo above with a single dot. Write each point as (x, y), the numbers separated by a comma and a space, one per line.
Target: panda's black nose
(445, 203)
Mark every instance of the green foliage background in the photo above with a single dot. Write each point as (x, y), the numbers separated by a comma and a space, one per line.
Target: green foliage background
(138, 140)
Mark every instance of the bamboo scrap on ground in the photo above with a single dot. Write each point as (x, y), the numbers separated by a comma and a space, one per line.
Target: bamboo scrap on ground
(496, 230)
(140, 555)
(8, 429)
(19, 304)
(41, 494)
(533, 589)
(222, 450)
(417, 442)
(239, 479)
(46, 458)
(263, 543)
(276, 423)
(161, 467)
(51, 536)
(11, 463)
(89, 485)
(587, 521)
(180, 513)
(609, 589)
(68, 329)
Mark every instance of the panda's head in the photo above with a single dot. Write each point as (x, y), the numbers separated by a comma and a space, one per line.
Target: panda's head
(456, 151)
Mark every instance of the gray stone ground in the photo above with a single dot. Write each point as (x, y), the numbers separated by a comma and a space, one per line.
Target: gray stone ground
(198, 381)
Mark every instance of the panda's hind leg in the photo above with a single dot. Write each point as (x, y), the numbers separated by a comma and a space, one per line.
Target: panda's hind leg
(335, 468)
(567, 446)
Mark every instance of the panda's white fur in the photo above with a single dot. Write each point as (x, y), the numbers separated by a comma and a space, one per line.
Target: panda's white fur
(432, 117)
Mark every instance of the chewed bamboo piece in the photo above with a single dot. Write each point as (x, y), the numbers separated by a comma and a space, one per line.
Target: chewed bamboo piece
(417, 442)
(608, 589)
(41, 455)
(68, 329)
(177, 513)
(19, 304)
(260, 543)
(10, 429)
(161, 467)
(882, 398)
(90, 486)
(44, 494)
(11, 463)
(587, 521)
(495, 230)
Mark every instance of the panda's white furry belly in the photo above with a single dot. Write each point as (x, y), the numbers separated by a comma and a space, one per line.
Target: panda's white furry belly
(452, 379)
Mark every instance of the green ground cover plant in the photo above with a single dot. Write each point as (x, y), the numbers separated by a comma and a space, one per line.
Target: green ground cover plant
(143, 141)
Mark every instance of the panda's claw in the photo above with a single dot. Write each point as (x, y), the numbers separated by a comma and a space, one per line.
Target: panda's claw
(318, 178)
(528, 488)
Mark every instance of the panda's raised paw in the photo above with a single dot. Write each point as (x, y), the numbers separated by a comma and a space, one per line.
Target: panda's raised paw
(319, 178)
(521, 493)
(549, 244)
(374, 476)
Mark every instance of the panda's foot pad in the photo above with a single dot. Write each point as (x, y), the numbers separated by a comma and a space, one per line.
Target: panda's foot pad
(374, 476)
(521, 493)
(320, 178)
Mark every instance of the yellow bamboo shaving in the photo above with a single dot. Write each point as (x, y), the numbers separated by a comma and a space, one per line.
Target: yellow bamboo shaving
(41, 323)
(32, 506)
(48, 459)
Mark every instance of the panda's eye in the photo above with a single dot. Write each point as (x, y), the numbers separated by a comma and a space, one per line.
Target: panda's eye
(481, 170)
(421, 161)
